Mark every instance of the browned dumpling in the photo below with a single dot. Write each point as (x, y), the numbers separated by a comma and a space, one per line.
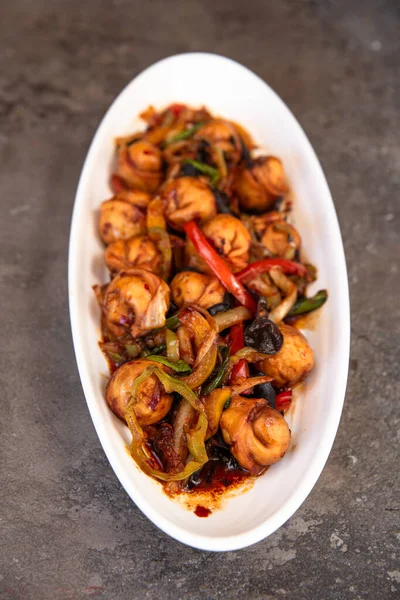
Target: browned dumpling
(279, 237)
(140, 165)
(152, 402)
(204, 290)
(135, 301)
(223, 135)
(120, 220)
(231, 239)
(257, 434)
(138, 251)
(187, 199)
(136, 197)
(294, 360)
(259, 185)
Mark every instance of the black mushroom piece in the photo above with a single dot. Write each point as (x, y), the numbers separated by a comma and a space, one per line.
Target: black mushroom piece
(262, 334)
(265, 390)
(188, 170)
(228, 303)
(222, 201)
(219, 307)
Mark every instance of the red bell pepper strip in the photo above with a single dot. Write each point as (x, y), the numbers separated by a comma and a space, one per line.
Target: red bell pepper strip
(118, 184)
(236, 336)
(240, 371)
(262, 266)
(283, 400)
(218, 266)
(176, 109)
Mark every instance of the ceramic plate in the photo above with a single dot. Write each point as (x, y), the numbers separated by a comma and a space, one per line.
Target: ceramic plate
(228, 89)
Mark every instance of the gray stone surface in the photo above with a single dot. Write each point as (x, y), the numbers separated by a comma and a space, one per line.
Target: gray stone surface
(68, 529)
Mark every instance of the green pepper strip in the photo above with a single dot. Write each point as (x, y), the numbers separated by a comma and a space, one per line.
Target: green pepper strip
(203, 168)
(172, 322)
(305, 305)
(156, 350)
(132, 350)
(214, 404)
(214, 383)
(179, 367)
(114, 356)
(183, 135)
(195, 437)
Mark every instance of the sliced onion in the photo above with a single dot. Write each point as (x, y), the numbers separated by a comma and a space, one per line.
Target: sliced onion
(226, 319)
(246, 384)
(183, 421)
(172, 343)
(203, 331)
(185, 345)
(289, 288)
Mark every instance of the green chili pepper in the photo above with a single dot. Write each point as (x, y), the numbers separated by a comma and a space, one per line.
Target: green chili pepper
(179, 367)
(183, 135)
(203, 168)
(132, 350)
(155, 350)
(305, 305)
(215, 382)
(172, 322)
(114, 356)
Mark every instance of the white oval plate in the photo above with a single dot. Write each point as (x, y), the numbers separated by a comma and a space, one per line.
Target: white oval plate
(228, 89)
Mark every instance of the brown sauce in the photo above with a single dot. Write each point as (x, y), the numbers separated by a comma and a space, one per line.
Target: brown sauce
(216, 475)
(202, 511)
(220, 474)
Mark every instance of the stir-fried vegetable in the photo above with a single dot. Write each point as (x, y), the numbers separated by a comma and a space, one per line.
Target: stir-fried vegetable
(182, 135)
(220, 372)
(204, 335)
(283, 400)
(156, 350)
(195, 437)
(214, 403)
(236, 336)
(306, 305)
(232, 317)
(218, 266)
(172, 322)
(172, 344)
(212, 173)
(239, 372)
(262, 334)
(179, 367)
(157, 232)
(263, 266)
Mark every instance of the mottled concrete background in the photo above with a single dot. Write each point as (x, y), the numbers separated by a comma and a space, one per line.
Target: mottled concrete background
(68, 529)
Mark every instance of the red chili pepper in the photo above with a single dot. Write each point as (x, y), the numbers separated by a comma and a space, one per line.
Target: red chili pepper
(218, 266)
(118, 184)
(236, 336)
(283, 400)
(240, 371)
(176, 109)
(262, 266)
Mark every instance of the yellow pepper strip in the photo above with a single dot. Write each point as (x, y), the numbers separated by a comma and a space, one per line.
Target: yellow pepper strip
(214, 404)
